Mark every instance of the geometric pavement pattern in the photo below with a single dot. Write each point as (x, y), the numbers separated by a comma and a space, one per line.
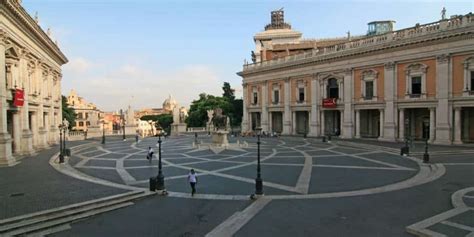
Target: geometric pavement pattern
(290, 166)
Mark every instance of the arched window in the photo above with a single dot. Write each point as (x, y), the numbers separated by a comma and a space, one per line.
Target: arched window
(332, 88)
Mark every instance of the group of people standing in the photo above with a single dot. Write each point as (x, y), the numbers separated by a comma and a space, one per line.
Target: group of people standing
(192, 176)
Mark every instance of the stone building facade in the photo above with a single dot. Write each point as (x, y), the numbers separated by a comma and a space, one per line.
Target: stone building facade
(414, 83)
(87, 114)
(30, 85)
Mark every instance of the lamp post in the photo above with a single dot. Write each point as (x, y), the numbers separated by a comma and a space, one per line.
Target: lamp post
(61, 155)
(123, 123)
(405, 150)
(426, 156)
(258, 180)
(160, 179)
(64, 139)
(103, 132)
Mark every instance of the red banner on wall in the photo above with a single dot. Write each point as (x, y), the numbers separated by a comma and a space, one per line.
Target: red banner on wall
(329, 103)
(18, 98)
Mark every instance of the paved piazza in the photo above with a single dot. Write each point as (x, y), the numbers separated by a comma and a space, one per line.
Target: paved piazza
(291, 167)
(334, 189)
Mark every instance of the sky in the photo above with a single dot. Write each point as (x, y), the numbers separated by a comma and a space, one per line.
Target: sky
(138, 52)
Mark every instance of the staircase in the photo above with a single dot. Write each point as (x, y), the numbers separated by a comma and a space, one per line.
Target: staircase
(50, 221)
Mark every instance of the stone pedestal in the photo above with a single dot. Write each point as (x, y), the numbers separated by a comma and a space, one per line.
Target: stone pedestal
(6, 158)
(219, 138)
(95, 131)
(176, 129)
(129, 129)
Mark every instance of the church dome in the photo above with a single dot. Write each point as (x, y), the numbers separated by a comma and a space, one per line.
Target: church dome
(169, 104)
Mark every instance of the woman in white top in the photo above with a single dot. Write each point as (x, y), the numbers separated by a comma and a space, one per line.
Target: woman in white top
(192, 178)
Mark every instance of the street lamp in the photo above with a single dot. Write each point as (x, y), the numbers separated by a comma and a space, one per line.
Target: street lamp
(160, 179)
(103, 132)
(61, 155)
(258, 180)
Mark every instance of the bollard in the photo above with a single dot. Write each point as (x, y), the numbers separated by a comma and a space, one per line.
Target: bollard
(329, 138)
(324, 139)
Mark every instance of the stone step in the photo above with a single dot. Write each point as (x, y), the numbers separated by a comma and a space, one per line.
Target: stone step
(68, 207)
(50, 218)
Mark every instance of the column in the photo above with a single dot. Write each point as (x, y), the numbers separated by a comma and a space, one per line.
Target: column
(16, 132)
(432, 125)
(314, 125)
(293, 122)
(443, 112)
(457, 125)
(381, 123)
(270, 122)
(323, 125)
(6, 158)
(287, 113)
(401, 124)
(389, 128)
(26, 146)
(245, 116)
(357, 122)
(347, 126)
(264, 121)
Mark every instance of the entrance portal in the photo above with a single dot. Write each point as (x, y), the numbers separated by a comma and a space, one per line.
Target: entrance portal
(277, 122)
(332, 122)
(301, 122)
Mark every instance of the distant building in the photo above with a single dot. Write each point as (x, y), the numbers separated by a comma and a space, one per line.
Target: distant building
(87, 114)
(30, 88)
(415, 83)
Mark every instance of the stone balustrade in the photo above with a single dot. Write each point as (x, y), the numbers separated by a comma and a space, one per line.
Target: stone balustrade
(371, 41)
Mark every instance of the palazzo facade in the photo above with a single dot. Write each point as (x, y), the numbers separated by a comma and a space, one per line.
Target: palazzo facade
(413, 83)
(30, 85)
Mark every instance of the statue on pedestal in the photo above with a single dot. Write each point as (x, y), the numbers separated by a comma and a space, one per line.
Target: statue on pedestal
(219, 120)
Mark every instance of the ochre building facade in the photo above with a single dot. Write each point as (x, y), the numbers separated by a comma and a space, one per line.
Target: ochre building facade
(415, 83)
(30, 85)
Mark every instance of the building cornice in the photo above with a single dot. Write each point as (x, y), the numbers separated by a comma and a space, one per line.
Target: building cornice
(12, 10)
(430, 33)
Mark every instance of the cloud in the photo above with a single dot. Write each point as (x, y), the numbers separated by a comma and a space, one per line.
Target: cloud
(140, 87)
(78, 65)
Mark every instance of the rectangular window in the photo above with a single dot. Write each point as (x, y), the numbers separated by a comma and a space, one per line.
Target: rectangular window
(416, 85)
(79, 115)
(369, 89)
(300, 94)
(472, 81)
(88, 123)
(276, 96)
(81, 124)
(255, 98)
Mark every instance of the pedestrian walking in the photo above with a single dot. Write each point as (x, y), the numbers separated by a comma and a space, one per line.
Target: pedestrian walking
(192, 178)
(149, 156)
(136, 138)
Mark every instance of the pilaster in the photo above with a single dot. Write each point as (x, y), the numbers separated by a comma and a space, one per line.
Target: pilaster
(348, 127)
(6, 158)
(245, 116)
(389, 123)
(443, 113)
(287, 113)
(264, 122)
(314, 123)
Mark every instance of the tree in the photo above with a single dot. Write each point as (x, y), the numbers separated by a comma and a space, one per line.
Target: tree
(197, 115)
(164, 120)
(68, 113)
